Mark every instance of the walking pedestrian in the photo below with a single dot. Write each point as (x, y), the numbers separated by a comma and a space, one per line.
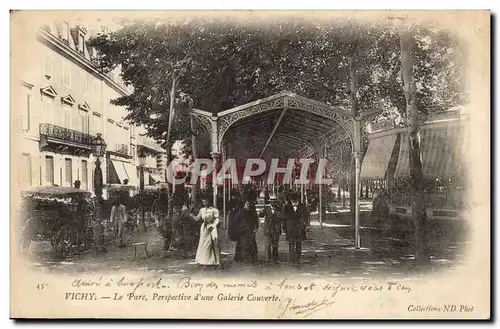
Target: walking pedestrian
(208, 253)
(118, 219)
(272, 229)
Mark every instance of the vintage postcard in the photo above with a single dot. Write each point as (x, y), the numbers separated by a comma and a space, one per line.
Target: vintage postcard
(250, 164)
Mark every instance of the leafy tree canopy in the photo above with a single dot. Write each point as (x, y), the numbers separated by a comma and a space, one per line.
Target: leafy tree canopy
(220, 63)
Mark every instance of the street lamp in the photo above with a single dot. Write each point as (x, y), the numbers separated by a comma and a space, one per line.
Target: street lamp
(142, 164)
(98, 150)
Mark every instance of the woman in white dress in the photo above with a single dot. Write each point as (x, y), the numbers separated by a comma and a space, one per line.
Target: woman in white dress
(208, 252)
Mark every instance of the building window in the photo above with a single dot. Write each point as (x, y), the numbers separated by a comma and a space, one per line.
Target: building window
(67, 116)
(68, 172)
(85, 174)
(25, 171)
(96, 124)
(26, 114)
(49, 169)
(66, 75)
(47, 66)
(48, 108)
(83, 83)
(84, 121)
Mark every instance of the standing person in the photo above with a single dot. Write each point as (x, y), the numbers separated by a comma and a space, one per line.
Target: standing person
(160, 211)
(118, 219)
(208, 252)
(272, 230)
(294, 233)
(248, 225)
(235, 207)
(302, 213)
(282, 196)
(266, 195)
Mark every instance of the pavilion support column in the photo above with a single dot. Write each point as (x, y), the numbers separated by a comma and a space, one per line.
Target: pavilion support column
(216, 166)
(215, 157)
(302, 192)
(357, 170)
(224, 189)
(321, 154)
(194, 148)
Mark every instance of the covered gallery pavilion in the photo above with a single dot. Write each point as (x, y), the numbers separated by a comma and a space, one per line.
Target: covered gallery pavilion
(282, 126)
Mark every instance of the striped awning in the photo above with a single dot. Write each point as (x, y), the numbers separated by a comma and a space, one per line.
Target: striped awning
(155, 178)
(442, 149)
(146, 178)
(377, 157)
(132, 173)
(120, 170)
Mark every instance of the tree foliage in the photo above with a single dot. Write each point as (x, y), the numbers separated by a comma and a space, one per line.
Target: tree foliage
(222, 63)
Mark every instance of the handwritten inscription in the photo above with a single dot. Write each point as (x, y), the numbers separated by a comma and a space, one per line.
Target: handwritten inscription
(303, 309)
(288, 297)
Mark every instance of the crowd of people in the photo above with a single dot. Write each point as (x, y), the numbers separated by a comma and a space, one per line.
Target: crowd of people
(190, 228)
(283, 214)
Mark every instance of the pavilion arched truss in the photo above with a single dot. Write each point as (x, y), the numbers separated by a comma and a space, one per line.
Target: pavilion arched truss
(300, 125)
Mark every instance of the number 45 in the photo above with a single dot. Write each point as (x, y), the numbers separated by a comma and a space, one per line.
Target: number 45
(40, 286)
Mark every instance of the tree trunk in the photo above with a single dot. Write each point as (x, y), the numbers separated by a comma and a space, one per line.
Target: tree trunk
(168, 238)
(416, 175)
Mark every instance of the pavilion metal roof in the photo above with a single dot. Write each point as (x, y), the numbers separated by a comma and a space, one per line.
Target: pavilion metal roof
(282, 126)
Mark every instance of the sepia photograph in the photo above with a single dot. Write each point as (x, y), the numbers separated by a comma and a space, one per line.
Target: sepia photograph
(250, 164)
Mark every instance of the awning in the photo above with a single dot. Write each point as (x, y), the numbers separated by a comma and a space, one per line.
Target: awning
(155, 178)
(442, 152)
(377, 157)
(131, 171)
(146, 178)
(120, 170)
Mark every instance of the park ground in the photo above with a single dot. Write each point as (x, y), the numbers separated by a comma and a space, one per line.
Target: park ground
(327, 251)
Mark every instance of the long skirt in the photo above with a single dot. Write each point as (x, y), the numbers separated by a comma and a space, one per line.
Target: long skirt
(208, 247)
(246, 249)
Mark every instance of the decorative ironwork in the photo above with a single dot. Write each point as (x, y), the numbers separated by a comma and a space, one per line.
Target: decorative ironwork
(204, 121)
(340, 116)
(65, 135)
(227, 120)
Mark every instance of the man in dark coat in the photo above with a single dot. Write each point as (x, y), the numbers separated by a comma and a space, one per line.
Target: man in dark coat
(272, 229)
(295, 230)
(248, 224)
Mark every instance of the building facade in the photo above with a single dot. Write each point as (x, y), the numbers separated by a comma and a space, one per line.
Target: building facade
(62, 101)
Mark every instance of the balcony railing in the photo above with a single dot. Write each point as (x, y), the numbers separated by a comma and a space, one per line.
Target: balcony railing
(121, 149)
(65, 135)
(149, 143)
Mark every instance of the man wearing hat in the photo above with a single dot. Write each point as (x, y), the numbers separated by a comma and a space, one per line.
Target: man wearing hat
(272, 229)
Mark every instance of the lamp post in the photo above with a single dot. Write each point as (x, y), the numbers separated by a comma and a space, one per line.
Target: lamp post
(98, 150)
(142, 163)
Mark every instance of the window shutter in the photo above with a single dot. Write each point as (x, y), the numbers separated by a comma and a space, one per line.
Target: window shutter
(68, 171)
(49, 169)
(84, 178)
